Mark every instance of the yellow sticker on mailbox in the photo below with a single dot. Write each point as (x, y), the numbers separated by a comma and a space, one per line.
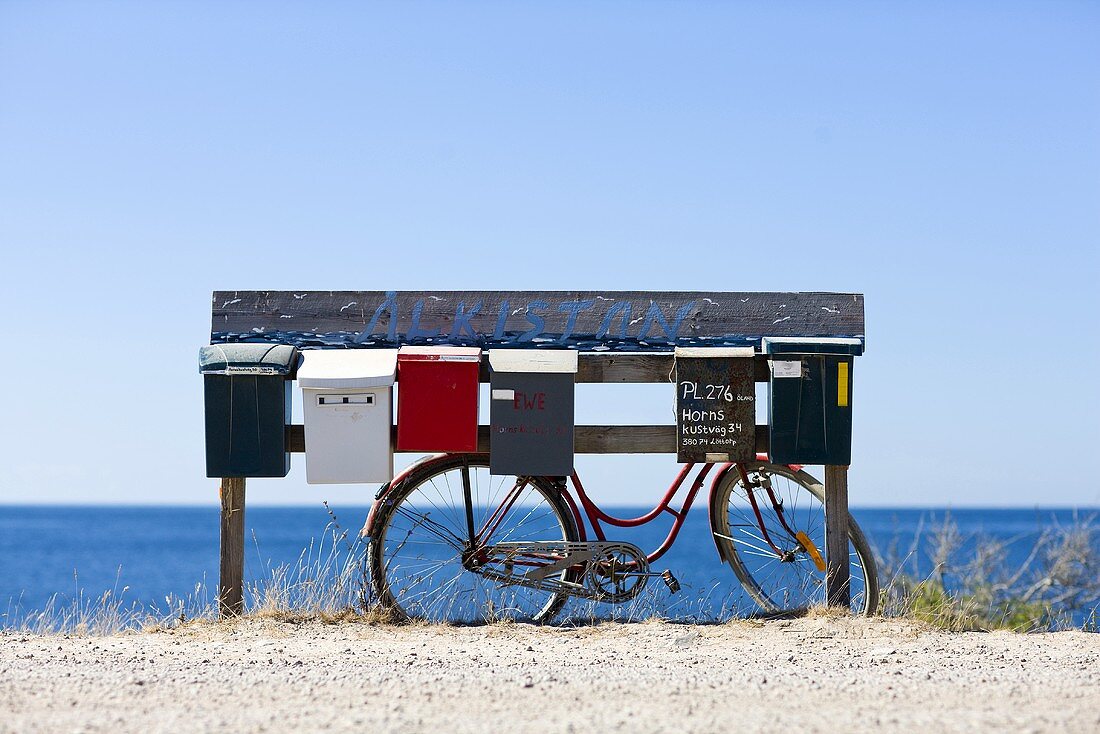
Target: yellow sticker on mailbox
(842, 384)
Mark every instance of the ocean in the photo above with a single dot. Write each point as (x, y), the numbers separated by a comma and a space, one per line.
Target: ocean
(150, 555)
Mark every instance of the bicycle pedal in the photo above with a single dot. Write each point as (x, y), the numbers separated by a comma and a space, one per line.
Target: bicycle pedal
(670, 581)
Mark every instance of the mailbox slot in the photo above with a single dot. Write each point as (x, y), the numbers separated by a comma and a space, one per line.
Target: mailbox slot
(810, 400)
(437, 398)
(531, 412)
(348, 407)
(246, 392)
(715, 404)
(367, 399)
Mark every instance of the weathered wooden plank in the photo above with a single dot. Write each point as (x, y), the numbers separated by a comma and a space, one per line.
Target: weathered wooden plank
(231, 566)
(638, 368)
(584, 320)
(837, 570)
(617, 440)
(624, 368)
(587, 439)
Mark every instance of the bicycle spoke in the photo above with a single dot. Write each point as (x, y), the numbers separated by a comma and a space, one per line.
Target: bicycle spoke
(790, 579)
(433, 527)
(421, 555)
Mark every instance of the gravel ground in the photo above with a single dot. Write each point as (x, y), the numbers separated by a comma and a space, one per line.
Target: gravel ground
(808, 675)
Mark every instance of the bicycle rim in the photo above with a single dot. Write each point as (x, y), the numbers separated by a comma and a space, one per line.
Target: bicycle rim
(788, 580)
(417, 545)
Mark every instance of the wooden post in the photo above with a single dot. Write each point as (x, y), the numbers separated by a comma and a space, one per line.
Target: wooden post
(231, 579)
(837, 569)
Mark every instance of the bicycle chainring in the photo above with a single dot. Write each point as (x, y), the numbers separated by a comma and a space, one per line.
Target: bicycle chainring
(610, 572)
(618, 572)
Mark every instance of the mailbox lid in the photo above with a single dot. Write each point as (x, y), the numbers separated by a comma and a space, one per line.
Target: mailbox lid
(439, 354)
(248, 359)
(347, 369)
(811, 345)
(560, 361)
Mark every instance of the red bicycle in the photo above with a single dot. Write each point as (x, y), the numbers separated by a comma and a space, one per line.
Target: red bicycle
(451, 543)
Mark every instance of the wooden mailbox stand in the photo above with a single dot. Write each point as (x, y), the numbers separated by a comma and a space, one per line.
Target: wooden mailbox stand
(623, 337)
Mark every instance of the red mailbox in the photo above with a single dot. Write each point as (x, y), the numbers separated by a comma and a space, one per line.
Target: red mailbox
(437, 398)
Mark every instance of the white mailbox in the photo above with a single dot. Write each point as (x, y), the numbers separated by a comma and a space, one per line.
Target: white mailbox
(347, 395)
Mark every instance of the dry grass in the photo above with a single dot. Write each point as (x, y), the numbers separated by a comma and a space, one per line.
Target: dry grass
(826, 612)
(1055, 587)
(328, 583)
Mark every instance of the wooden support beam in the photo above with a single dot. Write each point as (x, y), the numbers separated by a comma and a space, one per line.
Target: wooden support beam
(624, 368)
(587, 439)
(620, 368)
(231, 578)
(837, 569)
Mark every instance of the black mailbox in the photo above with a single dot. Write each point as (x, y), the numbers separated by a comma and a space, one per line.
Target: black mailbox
(531, 412)
(715, 404)
(247, 395)
(810, 400)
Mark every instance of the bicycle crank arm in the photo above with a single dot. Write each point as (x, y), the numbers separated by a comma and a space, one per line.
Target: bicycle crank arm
(666, 576)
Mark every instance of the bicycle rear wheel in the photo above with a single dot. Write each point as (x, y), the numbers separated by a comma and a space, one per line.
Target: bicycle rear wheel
(785, 578)
(420, 550)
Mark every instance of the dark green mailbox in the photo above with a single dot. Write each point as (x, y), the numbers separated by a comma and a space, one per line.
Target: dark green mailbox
(247, 393)
(810, 399)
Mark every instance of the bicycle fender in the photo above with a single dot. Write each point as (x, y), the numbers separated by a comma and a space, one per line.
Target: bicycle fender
(386, 488)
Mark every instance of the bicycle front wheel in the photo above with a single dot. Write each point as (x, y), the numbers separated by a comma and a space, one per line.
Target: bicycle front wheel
(777, 548)
(424, 542)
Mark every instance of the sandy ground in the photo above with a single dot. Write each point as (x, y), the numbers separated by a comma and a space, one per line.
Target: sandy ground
(807, 675)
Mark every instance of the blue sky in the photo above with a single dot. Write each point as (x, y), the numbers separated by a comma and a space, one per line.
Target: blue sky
(941, 158)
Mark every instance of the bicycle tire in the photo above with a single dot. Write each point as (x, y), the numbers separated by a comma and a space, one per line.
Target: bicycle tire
(396, 574)
(781, 586)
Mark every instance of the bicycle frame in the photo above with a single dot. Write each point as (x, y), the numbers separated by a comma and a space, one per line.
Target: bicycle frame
(595, 515)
